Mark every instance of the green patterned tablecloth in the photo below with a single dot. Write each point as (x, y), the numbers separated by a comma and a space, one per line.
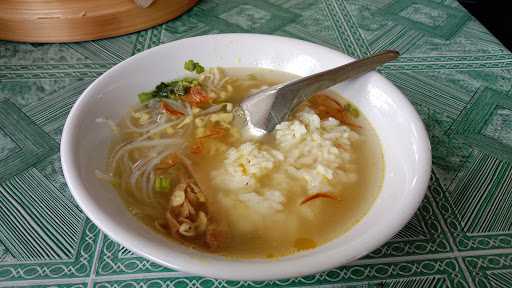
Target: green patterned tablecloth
(455, 72)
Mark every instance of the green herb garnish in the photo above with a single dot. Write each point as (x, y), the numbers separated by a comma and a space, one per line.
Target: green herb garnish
(174, 89)
(163, 90)
(190, 65)
(145, 97)
(199, 68)
(116, 183)
(162, 184)
(189, 81)
(193, 66)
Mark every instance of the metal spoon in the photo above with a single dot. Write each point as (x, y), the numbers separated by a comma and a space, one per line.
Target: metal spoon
(269, 107)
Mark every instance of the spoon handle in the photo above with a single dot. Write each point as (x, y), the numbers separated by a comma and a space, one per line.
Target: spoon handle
(325, 79)
(297, 91)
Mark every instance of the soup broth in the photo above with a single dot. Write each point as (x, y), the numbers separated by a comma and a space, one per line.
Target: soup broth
(183, 167)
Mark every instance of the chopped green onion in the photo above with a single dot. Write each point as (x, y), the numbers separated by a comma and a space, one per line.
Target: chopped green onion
(162, 184)
(145, 97)
(192, 66)
(116, 183)
(352, 110)
(199, 68)
(189, 81)
(173, 89)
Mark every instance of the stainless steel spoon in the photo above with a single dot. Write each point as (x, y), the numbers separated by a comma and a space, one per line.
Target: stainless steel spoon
(269, 107)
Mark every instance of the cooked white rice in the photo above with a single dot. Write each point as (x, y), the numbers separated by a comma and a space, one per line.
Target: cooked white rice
(305, 153)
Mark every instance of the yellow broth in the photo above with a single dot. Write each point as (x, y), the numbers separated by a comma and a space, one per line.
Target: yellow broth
(287, 231)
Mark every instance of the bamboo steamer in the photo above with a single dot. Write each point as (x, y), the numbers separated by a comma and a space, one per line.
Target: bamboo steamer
(55, 21)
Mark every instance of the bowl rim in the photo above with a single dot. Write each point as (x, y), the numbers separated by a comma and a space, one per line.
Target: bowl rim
(73, 180)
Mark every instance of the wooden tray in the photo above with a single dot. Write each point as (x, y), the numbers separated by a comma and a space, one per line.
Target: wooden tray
(79, 20)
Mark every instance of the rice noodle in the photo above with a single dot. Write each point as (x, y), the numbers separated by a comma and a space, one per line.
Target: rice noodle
(129, 123)
(151, 181)
(188, 165)
(158, 129)
(154, 104)
(214, 79)
(132, 128)
(188, 129)
(140, 130)
(145, 168)
(212, 109)
(137, 169)
(223, 81)
(139, 144)
(123, 149)
(127, 164)
(161, 118)
(110, 123)
(140, 176)
(146, 191)
(103, 176)
(176, 105)
(189, 109)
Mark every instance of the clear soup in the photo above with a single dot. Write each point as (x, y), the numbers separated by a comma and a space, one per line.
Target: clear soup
(183, 167)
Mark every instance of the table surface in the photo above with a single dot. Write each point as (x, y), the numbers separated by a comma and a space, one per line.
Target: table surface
(453, 70)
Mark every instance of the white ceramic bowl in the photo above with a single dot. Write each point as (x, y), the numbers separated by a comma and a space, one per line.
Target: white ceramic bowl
(402, 134)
